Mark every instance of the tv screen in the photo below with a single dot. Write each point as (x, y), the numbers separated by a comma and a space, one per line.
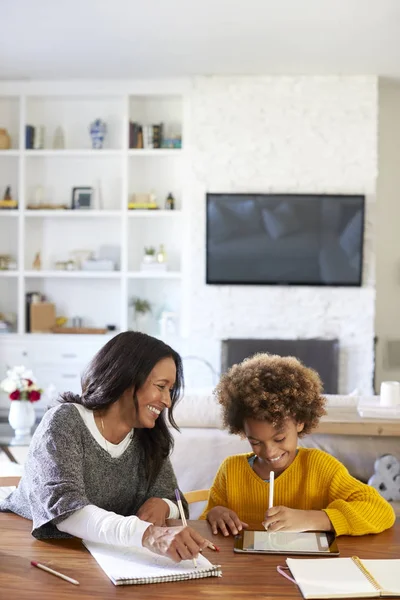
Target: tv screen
(281, 239)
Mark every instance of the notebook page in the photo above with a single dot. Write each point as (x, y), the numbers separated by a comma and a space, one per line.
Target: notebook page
(330, 578)
(386, 572)
(139, 565)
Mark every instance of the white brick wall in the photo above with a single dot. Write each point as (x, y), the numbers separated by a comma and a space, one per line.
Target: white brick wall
(284, 134)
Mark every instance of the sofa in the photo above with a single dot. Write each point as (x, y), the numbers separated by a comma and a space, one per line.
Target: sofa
(202, 444)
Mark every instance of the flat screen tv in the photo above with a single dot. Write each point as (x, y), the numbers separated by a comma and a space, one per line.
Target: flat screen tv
(284, 239)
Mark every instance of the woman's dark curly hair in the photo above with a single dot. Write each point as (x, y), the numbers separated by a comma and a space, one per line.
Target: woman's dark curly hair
(270, 388)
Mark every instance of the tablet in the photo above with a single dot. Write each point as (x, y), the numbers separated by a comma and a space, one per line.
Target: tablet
(285, 542)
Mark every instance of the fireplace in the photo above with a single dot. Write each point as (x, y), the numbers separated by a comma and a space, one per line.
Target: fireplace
(321, 355)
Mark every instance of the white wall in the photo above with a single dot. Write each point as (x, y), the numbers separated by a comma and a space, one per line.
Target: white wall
(387, 323)
(284, 134)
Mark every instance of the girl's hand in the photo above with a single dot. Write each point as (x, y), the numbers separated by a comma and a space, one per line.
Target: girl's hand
(226, 520)
(281, 518)
(179, 543)
(155, 511)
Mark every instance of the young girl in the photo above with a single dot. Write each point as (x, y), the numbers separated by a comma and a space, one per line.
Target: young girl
(273, 400)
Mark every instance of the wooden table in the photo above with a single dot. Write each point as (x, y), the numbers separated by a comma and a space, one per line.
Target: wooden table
(243, 576)
(347, 421)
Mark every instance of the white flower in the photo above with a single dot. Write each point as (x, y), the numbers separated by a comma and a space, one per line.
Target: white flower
(17, 380)
(8, 385)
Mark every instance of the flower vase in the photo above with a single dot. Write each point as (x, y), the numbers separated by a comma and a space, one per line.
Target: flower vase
(142, 322)
(21, 418)
(98, 130)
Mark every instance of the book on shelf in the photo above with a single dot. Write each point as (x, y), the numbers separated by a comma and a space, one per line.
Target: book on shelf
(346, 577)
(135, 135)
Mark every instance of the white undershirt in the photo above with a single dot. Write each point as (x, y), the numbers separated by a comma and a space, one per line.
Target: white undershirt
(95, 524)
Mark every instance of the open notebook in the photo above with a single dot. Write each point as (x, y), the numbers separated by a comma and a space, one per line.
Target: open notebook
(138, 565)
(346, 577)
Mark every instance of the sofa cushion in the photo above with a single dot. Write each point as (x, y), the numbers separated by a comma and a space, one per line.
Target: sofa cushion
(198, 410)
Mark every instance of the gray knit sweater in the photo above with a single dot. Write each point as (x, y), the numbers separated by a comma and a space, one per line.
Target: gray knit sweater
(67, 469)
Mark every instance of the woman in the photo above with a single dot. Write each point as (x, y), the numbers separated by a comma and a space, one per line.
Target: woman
(98, 465)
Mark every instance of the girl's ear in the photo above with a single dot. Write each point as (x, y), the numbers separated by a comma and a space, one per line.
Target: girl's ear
(299, 427)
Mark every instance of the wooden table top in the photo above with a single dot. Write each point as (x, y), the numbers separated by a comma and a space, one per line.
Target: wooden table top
(342, 420)
(252, 576)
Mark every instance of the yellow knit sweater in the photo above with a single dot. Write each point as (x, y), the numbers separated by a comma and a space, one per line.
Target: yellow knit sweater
(314, 481)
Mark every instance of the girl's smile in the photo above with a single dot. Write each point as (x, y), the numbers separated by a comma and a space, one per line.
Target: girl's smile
(274, 448)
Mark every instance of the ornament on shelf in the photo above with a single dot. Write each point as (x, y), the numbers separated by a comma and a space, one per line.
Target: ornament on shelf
(161, 255)
(170, 202)
(98, 196)
(38, 195)
(59, 139)
(38, 142)
(7, 201)
(149, 254)
(141, 314)
(98, 130)
(5, 140)
(37, 263)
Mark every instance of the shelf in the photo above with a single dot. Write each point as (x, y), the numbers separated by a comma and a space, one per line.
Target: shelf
(104, 153)
(114, 172)
(71, 214)
(8, 273)
(154, 275)
(155, 152)
(153, 213)
(9, 212)
(9, 152)
(73, 274)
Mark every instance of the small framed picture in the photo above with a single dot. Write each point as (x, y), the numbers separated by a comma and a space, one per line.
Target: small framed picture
(82, 197)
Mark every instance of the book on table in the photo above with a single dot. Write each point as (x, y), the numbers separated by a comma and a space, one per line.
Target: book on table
(346, 577)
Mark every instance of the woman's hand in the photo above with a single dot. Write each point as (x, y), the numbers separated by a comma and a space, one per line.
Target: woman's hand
(154, 510)
(281, 518)
(225, 519)
(179, 543)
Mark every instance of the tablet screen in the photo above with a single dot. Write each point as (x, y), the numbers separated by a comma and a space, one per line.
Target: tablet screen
(284, 542)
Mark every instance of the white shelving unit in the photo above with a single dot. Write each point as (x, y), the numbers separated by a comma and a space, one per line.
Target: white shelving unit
(99, 298)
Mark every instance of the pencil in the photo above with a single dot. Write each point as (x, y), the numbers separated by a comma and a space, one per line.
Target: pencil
(271, 489)
(52, 572)
(183, 518)
(213, 546)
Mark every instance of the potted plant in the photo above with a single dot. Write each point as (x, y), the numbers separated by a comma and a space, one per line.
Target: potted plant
(141, 312)
(149, 254)
(23, 391)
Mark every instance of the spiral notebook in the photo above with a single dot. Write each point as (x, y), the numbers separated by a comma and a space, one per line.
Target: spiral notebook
(126, 566)
(346, 577)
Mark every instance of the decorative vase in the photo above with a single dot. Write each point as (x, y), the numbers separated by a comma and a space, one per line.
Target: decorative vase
(5, 140)
(142, 322)
(21, 418)
(98, 130)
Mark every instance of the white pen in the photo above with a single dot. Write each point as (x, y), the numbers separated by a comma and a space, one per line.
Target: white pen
(271, 489)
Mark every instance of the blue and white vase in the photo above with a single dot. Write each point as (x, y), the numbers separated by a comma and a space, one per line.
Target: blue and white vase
(98, 130)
